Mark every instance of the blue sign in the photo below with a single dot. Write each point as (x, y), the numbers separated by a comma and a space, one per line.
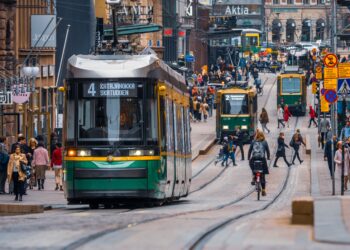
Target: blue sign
(189, 58)
(331, 96)
(343, 87)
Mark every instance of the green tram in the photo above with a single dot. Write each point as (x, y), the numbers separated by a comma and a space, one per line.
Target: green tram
(127, 131)
(291, 90)
(236, 107)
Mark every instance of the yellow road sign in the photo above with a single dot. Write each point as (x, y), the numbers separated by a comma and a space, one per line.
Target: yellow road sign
(324, 104)
(344, 70)
(330, 60)
(318, 75)
(314, 88)
(318, 69)
(330, 73)
(330, 84)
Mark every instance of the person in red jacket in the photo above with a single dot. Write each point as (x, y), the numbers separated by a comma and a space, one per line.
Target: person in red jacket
(57, 165)
(286, 115)
(312, 115)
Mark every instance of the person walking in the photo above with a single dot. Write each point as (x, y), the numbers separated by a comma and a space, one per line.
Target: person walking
(57, 166)
(338, 159)
(328, 152)
(33, 143)
(286, 115)
(264, 119)
(4, 159)
(295, 143)
(40, 162)
(15, 172)
(232, 148)
(195, 110)
(205, 109)
(225, 151)
(281, 150)
(238, 140)
(280, 116)
(323, 129)
(312, 115)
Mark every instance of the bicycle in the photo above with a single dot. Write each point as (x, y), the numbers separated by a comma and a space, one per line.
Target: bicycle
(258, 176)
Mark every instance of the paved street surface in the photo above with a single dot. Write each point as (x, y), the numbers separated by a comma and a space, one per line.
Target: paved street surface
(219, 197)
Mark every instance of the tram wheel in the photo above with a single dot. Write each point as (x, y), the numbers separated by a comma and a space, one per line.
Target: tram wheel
(93, 205)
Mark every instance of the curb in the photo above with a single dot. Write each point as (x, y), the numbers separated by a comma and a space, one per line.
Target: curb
(19, 209)
(212, 142)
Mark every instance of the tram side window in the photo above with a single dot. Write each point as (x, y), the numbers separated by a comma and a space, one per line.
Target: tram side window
(151, 117)
(70, 112)
(234, 104)
(291, 85)
(251, 41)
(170, 126)
(163, 117)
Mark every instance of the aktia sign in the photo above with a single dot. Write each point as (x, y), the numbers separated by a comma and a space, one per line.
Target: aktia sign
(236, 10)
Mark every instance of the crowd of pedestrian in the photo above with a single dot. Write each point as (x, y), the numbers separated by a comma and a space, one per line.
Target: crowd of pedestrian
(24, 165)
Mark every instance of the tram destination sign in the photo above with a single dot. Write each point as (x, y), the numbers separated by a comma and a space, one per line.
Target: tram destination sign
(110, 89)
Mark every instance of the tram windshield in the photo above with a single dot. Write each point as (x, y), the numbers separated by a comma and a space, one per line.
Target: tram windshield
(110, 113)
(291, 85)
(234, 104)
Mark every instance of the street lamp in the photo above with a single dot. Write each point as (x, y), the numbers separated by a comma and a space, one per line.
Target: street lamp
(30, 72)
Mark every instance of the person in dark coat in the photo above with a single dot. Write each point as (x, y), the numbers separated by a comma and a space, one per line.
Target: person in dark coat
(281, 150)
(257, 151)
(238, 141)
(296, 141)
(328, 152)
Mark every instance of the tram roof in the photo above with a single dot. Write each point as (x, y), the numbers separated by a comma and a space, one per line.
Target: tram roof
(236, 90)
(122, 66)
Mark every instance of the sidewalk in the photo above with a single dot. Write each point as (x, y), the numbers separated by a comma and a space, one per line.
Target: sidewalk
(203, 135)
(331, 213)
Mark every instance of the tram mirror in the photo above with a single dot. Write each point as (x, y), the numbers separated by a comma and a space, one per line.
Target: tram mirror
(162, 90)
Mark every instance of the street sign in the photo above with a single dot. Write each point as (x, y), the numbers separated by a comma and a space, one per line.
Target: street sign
(189, 58)
(330, 84)
(344, 70)
(318, 69)
(319, 76)
(330, 60)
(323, 91)
(6, 98)
(331, 96)
(330, 73)
(324, 104)
(314, 88)
(343, 87)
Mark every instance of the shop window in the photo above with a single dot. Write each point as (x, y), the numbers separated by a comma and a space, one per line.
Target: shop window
(321, 1)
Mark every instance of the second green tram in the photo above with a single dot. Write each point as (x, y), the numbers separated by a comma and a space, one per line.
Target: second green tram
(291, 90)
(236, 107)
(126, 129)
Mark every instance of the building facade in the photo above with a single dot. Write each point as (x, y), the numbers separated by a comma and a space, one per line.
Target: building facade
(8, 120)
(292, 21)
(37, 114)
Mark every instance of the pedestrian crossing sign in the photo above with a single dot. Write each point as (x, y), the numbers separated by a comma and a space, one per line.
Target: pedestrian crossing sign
(343, 87)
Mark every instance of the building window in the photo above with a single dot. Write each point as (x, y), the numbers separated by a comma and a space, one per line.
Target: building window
(290, 30)
(276, 1)
(276, 30)
(306, 31)
(306, 2)
(290, 1)
(8, 33)
(321, 1)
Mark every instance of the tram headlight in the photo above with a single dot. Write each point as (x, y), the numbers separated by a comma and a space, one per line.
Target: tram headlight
(244, 127)
(72, 153)
(140, 152)
(83, 152)
(135, 152)
(225, 127)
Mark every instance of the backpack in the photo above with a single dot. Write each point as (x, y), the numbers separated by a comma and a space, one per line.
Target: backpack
(258, 151)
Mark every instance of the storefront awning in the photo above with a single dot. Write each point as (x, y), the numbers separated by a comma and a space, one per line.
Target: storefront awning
(134, 29)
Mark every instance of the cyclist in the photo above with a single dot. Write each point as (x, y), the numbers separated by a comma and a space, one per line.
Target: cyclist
(257, 150)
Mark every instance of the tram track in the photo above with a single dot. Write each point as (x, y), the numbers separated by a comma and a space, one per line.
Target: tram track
(85, 240)
(201, 240)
